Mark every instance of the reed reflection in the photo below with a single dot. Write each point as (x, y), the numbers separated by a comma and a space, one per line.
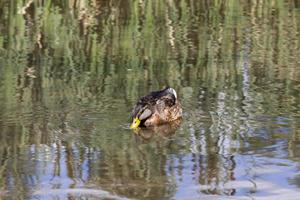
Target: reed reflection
(72, 69)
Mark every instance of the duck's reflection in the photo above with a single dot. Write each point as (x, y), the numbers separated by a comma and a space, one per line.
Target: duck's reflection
(164, 130)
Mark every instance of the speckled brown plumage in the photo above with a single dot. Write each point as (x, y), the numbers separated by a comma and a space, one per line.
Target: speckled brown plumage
(158, 107)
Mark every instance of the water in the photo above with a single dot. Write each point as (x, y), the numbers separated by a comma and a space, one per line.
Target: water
(70, 72)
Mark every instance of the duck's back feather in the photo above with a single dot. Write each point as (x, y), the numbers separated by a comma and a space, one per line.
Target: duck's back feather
(151, 99)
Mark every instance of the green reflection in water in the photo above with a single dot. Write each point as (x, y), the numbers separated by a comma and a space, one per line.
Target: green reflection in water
(71, 70)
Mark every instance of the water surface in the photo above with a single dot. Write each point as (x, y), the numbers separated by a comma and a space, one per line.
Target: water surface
(70, 72)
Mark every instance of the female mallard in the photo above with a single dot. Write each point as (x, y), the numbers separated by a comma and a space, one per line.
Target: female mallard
(156, 108)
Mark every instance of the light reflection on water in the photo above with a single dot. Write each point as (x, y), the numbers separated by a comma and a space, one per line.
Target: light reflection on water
(71, 71)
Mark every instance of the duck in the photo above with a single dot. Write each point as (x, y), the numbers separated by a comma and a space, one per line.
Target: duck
(156, 108)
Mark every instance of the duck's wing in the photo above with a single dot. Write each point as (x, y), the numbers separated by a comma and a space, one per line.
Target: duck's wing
(143, 108)
(146, 113)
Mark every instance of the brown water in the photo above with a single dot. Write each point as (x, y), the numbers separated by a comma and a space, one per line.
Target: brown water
(70, 72)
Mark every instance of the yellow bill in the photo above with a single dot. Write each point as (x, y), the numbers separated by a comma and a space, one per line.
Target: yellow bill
(135, 123)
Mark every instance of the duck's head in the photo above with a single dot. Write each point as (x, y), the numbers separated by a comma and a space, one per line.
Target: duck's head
(143, 114)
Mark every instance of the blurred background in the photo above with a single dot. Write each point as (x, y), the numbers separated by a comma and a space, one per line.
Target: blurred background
(71, 70)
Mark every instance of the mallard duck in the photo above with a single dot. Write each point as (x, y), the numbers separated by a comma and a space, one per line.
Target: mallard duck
(156, 108)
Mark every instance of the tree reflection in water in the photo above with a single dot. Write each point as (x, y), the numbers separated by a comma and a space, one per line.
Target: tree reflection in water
(71, 70)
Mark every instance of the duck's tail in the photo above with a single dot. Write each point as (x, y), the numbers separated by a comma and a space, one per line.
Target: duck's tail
(172, 91)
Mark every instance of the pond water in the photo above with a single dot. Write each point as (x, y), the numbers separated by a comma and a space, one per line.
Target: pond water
(70, 72)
